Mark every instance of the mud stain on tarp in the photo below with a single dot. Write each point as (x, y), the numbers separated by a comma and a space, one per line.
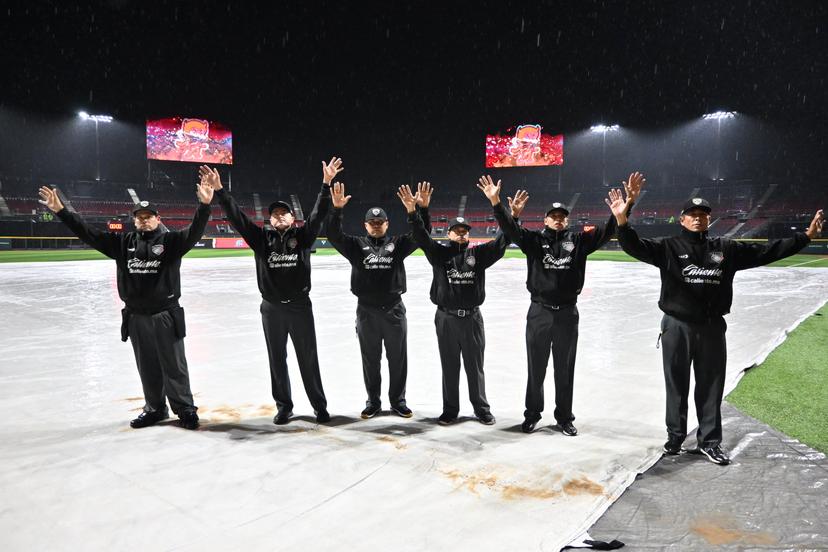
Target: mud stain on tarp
(583, 486)
(720, 532)
(542, 487)
(393, 440)
(470, 481)
(265, 410)
(517, 492)
(221, 413)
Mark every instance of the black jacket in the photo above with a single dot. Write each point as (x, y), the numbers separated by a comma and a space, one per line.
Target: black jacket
(377, 269)
(556, 261)
(697, 271)
(459, 280)
(148, 263)
(283, 263)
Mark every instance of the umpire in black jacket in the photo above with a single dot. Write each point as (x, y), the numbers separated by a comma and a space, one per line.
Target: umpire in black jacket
(556, 260)
(378, 281)
(283, 267)
(458, 288)
(148, 262)
(696, 293)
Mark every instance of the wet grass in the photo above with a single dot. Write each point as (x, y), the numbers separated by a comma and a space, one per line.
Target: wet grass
(788, 391)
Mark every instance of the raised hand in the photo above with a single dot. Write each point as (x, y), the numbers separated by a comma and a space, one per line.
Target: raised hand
(204, 192)
(633, 186)
(617, 205)
(49, 197)
(424, 191)
(518, 203)
(815, 228)
(209, 176)
(407, 198)
(338, 197)
(489, 188)
(331, 169)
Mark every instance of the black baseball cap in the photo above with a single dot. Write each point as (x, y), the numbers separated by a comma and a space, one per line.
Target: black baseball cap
(557, 206)
(458, 221)
(696, 203)
(375, 213)
(144, 206)
(279, 203)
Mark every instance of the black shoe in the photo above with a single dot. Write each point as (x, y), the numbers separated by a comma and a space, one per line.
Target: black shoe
(146, 419)
(568, 429)
(188, 419)
(446, 419)
(282, 417)
(486, 418)
(528, 425)
(716, 455)
(673, 446)
(322, 416)
(370, 411)
(402, 411)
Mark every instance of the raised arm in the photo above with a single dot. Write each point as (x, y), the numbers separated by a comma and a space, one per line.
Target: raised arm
(252, 233)
(420, 236)
(490, 252)
(424, 191)
(632, 186)
(185, 239)
(107, 243)
(345, 244)
(750, 255)
(508, 225)
(646, 250)
(322, 206)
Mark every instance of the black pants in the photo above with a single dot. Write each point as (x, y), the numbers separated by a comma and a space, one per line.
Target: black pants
(703, 345)
(552, 330)
(162, 365)
(464, 336)
(375, 326)
(294, 319)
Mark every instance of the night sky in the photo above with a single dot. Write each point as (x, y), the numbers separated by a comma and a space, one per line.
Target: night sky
(404, 90)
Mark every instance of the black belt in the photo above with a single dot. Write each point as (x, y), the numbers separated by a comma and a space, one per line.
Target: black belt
(151, 311)
(459, 313)
(553, 307)
(383, 308)
(302, 300)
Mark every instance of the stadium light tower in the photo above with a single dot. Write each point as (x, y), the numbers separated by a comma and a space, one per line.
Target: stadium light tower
(719, 116)
(603, 129)
(96, 119)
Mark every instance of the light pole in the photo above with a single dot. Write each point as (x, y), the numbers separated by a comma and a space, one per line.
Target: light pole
(96, 119)
(719, 116)
(603, 129)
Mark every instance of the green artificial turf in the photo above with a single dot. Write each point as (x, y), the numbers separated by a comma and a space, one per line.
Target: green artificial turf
(789, 391)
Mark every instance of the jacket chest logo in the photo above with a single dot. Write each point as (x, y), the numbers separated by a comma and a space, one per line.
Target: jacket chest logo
(157, 249)
(389, 248)
(715, 257)
(292, 243)
(568, 246)
(470, 260)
